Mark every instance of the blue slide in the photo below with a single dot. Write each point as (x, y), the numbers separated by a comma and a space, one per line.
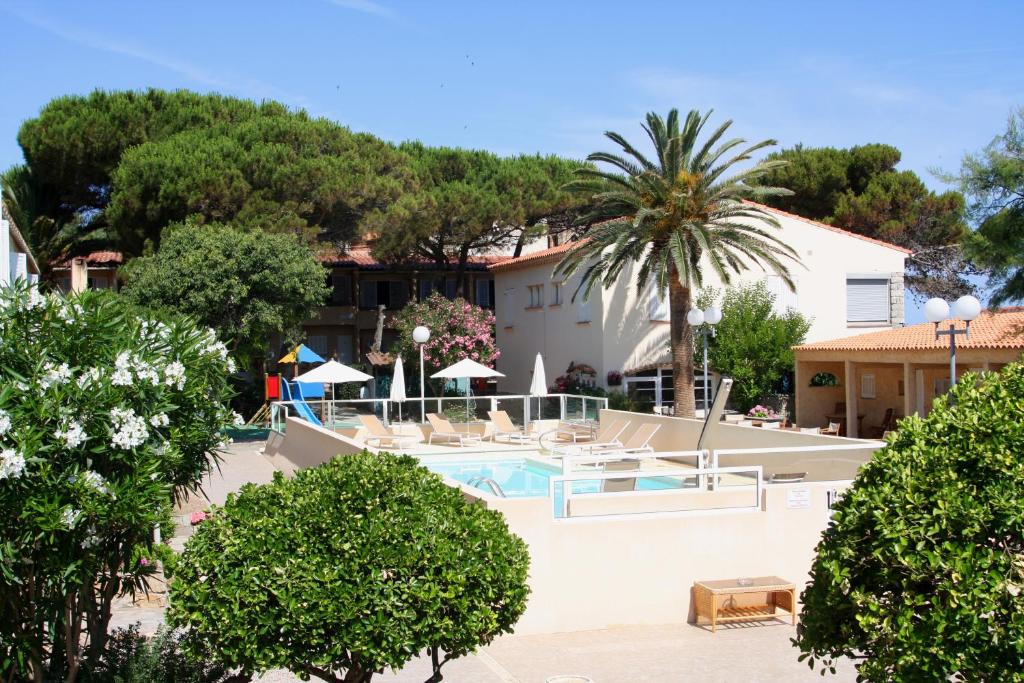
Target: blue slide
(299, 403)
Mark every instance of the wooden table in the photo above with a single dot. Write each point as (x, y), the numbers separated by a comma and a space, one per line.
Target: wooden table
(716, 600)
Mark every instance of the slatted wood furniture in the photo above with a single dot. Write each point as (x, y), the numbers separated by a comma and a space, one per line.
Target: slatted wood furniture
(721, 601)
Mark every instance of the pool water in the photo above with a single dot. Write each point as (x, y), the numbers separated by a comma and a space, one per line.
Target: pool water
(523, 478)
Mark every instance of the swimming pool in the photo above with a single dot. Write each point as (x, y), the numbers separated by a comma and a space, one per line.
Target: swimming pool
(525, 478)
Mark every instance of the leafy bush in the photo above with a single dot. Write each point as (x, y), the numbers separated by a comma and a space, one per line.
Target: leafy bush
(132, 658)
(458, 330)
(356, 565)
(824, 379)
(753, 344)
(107, 416)
(920, 575)
(618, 400)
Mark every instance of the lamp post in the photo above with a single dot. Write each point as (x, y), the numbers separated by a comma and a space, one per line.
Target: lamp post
(421, 335)
(966, 308)
(706, 320)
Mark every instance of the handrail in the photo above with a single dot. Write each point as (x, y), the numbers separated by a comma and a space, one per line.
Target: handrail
(699, 472)
(493, 485)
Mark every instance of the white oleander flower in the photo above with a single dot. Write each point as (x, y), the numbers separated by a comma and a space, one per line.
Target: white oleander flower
(237, 419)
(129, 429)
(70, 517)
(89, 377)
(160, 420)
(73, 435)
(12, 464)
(95, 481)
(231, 365)
(5, 422)
(55, 374)
(148, 373)
(35, 299)
(174, 375)
(217, 348)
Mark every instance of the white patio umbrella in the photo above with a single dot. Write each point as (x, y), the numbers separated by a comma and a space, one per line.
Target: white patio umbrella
(539, 385)
(398, 386)
(332, 372)
(466, 369)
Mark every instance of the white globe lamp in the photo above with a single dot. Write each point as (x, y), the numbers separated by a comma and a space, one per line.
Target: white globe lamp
(936, 310)
(712, 315)
(695, 317)
(421, 335)
(966, 308)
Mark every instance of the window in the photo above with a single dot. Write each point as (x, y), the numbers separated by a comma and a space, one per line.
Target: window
(318, 343)
(659, 305)
(346, 349)
(508, 307)
(341, 289)
(450, 287)
(556, 293)
(582, 309)
(785, 298)
(368, 294)
(867, 385)
(485, 293)
(536, 296)
(392, 294)
(428, 286)
(867, 299)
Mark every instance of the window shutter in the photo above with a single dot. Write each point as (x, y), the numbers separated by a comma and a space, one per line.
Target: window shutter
(867, 300)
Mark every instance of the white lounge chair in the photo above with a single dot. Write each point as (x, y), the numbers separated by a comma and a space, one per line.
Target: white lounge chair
(615, 485)
(608, 435)
(382, 435)
(637, 443)
(505, 428)
(443, 431)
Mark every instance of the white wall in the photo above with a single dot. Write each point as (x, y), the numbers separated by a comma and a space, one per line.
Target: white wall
(628, 338)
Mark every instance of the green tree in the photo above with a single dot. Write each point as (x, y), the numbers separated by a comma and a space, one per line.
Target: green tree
(469, 201)
(994, 180)
(120, 166)
(753, 343)
(860, 190)
(919, 576)
(246, 285)
(355, 566)
(668, 214)
(109, 414)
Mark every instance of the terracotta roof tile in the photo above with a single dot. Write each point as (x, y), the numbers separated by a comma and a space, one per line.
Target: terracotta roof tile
(1002, 329)
(361, 256)
(105, 259)
(535, 258)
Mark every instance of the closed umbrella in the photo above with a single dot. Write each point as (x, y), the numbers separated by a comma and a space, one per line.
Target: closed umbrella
(398, 386)
(539, 385)
(467, 369)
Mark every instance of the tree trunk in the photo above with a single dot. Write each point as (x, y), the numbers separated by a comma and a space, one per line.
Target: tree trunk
(460, 272)
(682, 346)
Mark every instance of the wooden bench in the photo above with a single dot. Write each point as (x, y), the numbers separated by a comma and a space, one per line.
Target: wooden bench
(719, 601)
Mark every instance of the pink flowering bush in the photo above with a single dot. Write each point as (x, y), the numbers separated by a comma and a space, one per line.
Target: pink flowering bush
(458, 330)
(761, 411)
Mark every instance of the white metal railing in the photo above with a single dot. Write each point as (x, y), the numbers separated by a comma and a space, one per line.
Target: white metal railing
(522, 409)
(561, 511)
(715, 453)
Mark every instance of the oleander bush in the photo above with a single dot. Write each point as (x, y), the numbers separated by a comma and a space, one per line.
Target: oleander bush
(107, 416)
(919, 577)
(133, 658)
(352, 567)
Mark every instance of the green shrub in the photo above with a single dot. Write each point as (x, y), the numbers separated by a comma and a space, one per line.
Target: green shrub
(132, 658)
(107, 416)
(618, 400)
(357, 565)
(920, 574)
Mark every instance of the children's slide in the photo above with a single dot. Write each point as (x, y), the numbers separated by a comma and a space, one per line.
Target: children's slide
(293, 393)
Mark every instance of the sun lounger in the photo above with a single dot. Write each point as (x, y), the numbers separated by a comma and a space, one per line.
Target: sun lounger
(636, 443)
(383, 436)
(443, 431)
(616, 485)
(608, 436)
(505, 428)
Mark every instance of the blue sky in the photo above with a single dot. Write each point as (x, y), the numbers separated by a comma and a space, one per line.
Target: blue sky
(935, 79)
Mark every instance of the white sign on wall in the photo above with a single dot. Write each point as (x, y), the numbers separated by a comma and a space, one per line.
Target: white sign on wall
(798, 498)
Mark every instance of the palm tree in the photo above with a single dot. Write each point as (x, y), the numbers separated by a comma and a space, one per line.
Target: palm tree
(673, 216)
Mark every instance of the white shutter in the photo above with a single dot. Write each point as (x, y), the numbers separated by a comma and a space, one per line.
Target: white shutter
(867, 300)
(508, 307)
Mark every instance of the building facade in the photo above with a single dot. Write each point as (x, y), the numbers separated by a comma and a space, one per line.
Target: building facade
(16, 260)
(846, 283)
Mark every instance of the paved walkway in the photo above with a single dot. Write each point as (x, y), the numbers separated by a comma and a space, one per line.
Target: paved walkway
(753, 653)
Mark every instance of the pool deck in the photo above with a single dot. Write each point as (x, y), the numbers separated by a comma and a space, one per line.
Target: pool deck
(758, 652)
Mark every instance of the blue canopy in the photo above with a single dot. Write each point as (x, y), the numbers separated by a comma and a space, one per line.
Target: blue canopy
(303, 354)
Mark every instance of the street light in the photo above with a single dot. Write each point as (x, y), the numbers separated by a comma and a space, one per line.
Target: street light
(421, 335)
(706, 320)
(966, 308)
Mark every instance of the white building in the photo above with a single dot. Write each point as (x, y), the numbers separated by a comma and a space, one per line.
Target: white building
(16, 260)
(847, 284)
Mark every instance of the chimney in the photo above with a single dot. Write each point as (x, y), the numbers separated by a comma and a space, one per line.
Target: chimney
(79, 274)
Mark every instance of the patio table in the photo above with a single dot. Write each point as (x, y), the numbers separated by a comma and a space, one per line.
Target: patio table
(717, 601)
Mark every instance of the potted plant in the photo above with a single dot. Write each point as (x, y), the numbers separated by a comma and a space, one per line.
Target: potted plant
(614, 378)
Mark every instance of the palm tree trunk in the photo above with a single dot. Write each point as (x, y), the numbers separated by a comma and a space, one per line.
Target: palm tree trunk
(682, 346)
